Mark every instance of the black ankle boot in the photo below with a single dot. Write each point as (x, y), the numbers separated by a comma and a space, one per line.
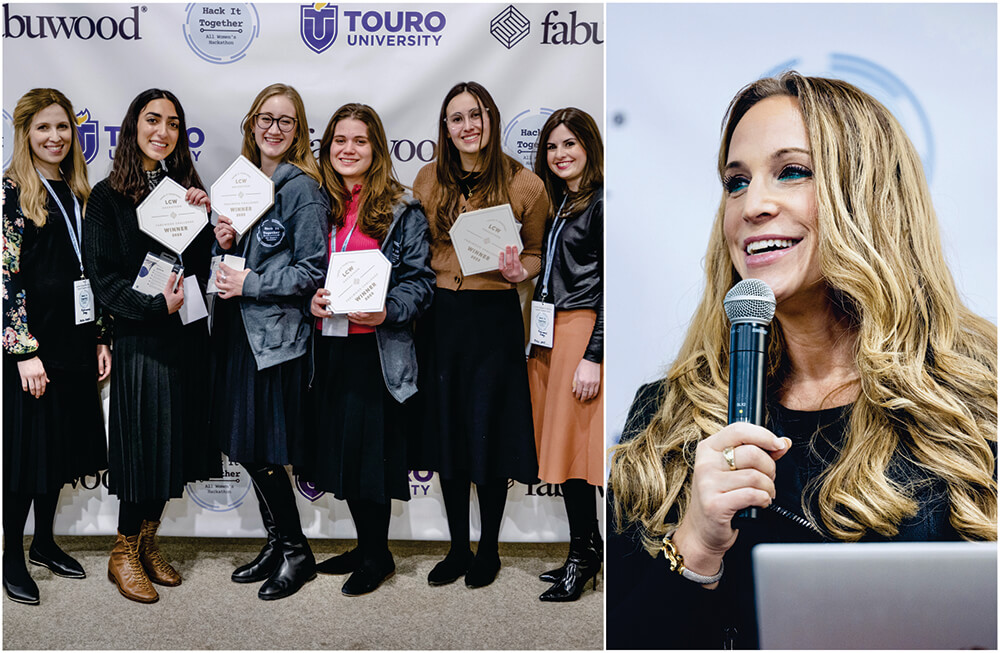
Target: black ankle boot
(50, 556)
(483, 570)
(556, 575)
(453, 567)
(17, 582)
(269, 557)
(582, 565)
(345, 563)
(297, 567)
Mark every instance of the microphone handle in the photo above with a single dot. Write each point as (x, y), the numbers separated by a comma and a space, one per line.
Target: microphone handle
(747, 347)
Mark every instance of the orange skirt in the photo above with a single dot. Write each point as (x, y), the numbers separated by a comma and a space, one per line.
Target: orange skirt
(569, 433)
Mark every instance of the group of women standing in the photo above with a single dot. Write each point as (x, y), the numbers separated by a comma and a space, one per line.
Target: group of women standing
(269, 387)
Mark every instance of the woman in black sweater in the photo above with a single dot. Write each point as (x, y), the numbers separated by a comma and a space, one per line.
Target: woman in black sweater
(157, 431)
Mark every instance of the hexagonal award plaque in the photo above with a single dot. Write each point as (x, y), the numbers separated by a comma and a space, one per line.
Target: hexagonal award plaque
(242, 193)
(479, 236)
(358, 281)
(167, 217)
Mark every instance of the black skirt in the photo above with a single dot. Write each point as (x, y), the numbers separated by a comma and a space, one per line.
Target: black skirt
(355, 426)
(158, 424)
(473, 408)
(257, 416)
(50, 441)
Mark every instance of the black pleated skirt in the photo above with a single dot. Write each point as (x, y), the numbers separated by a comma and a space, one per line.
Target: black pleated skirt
(257, 416)
(50, 441)
(158, 424)
(356, 431)
(473, 409)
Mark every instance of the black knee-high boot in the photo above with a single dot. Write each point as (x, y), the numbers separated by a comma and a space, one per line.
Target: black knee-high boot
(261, 567)
(17, 582)
(486, 565)
(583, 562)
(44, 551)
(456, 507)
(372, 522)
(579, 501)
(297, 566)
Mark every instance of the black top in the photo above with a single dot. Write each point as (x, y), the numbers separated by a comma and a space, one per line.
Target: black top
(651, 607)
(40, 267)
(577, 279)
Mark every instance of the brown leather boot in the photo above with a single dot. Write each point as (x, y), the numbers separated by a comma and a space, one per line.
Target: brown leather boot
(125, 570)
(157, 568)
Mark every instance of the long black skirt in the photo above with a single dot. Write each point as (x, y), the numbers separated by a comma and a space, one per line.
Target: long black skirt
(358, 441)
(49, 441)
(158, 424)
(257, 416)
(473, 409)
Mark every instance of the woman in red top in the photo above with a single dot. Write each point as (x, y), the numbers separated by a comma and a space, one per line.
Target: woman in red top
(366, 364)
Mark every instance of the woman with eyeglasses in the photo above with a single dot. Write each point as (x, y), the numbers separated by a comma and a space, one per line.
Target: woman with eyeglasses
(476, 423)
(260, 333)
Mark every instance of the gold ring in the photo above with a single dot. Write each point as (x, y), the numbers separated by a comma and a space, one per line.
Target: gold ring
(730, 457)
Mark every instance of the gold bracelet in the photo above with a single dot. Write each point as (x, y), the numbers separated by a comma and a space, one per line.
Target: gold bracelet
(676, 561)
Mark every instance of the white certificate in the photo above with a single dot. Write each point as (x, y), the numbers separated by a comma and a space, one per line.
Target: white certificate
(358, 281)
(242, 193)
(167, 217)
(479, 236)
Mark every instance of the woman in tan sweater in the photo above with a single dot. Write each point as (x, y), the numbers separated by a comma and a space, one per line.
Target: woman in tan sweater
(473, 401)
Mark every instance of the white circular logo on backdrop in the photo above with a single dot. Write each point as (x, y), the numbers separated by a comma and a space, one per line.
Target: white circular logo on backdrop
(520, 136)
(222, 494)
(881, 83)
(221, 33)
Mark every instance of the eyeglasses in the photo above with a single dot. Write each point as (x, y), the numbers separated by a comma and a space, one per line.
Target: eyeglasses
(457, 120)
(265, 120)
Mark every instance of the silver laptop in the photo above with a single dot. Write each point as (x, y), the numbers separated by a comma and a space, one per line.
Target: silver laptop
(896, 595)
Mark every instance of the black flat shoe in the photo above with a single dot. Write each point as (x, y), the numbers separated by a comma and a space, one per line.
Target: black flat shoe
(25, 592)
(58, 562)
(345, 563)
(297, 568)
(368, 578)
(453, 567)
(483, 571)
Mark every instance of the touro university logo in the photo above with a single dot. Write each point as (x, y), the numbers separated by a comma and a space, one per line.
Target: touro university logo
(318, 25)
(221, 33)
(307, 489)
(89, 132)
(510, 26)
(520, 137)
(882, 83)
(82, 27)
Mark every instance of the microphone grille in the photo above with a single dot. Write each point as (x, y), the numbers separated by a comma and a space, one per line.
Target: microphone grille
(750, 300)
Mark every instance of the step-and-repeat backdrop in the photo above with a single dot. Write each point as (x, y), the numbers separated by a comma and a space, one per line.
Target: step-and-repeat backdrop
(933, 65)
(400, 59)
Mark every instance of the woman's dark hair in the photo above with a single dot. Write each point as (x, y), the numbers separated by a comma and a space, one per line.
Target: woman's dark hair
(381, 189)
(127, 174)
(494, 169)
(583, 127)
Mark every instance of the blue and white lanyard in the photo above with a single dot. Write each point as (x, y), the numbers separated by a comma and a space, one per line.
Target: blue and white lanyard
(333, 238)
(553, 239)
(79, 219)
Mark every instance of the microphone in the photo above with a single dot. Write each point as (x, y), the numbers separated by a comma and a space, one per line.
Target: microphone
(750, 307)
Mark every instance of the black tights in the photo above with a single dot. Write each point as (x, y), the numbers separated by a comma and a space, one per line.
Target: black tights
(371, 520)
(581, 507)
(131, 514)
(492, 499)
(15, 515)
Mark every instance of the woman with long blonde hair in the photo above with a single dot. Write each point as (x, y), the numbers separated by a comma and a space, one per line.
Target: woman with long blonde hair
(260, 333)
(881, 407)
(53, 426)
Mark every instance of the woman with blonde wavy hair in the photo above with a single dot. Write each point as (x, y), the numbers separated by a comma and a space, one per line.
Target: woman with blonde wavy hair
(881, 407)
(53, 427)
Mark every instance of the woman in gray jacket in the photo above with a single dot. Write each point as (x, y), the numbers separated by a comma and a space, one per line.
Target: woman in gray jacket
(367, 367)
(260, 333)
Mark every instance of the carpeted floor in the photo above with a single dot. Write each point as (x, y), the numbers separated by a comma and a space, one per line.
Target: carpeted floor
(208, 611)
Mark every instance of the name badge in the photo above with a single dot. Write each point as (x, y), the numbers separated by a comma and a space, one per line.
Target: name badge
(83, 300)
(336, 326)
(543, 318)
